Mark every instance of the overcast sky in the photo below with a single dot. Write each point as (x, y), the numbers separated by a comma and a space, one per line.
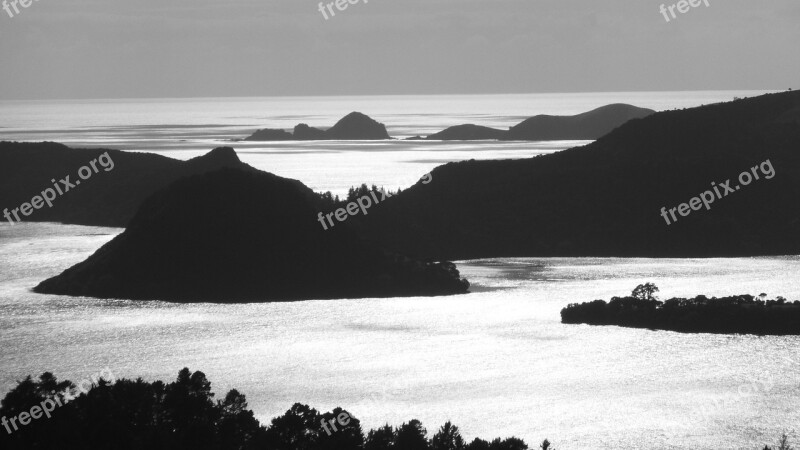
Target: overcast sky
(205, 48)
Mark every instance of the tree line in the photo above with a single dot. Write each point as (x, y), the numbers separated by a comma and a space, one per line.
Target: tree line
(183, 414)
(332, 202)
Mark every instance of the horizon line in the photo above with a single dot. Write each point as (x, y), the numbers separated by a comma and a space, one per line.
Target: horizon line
(112, 99)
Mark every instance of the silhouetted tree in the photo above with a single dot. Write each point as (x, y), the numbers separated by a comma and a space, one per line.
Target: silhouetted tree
(511, 443)
(298, 429)
(237, 425)
(447, 438)
(645, 291)
(190, 410)
(345, 437)
(411, 436)
(479, 444)
(380, 438)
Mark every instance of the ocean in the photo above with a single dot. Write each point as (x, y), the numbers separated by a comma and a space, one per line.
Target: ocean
(496, 362)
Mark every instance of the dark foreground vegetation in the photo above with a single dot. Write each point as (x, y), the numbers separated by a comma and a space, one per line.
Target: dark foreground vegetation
(740, 314)
(134, 415)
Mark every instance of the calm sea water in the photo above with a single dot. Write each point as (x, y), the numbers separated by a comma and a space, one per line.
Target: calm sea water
(497, 362)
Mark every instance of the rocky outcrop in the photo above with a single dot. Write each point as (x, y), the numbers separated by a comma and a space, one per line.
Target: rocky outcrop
(303, 132)
(357, 126)
(352, 127)
(269, 134)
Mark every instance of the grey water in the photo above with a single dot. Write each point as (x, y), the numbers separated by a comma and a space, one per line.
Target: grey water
(496, 362)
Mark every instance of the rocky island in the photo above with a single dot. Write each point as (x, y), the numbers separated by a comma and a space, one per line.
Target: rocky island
(352, 127)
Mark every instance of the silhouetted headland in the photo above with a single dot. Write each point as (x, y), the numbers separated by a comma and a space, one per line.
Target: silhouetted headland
(109, 199)
(352, 127)
(245, 236)
(604, 199)
(586, 126)
(739, 314)
(467, 132)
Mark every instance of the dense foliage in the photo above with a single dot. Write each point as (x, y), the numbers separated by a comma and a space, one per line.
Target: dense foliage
(331, 202)
(744, 314)
(134, 414)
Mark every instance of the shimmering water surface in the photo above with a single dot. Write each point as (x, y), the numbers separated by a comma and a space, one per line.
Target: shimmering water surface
(497, 362)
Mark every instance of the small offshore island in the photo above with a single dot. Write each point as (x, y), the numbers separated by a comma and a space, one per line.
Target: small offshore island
(736, 314)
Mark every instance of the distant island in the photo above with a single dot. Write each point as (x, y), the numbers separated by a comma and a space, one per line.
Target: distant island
(353, 127)
(238, 235)
(590, 125)
(586, 126)
(468, 132)
(185, 415)
(736, 314)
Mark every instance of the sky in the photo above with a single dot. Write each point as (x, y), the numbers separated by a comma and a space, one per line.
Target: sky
(82, 49)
